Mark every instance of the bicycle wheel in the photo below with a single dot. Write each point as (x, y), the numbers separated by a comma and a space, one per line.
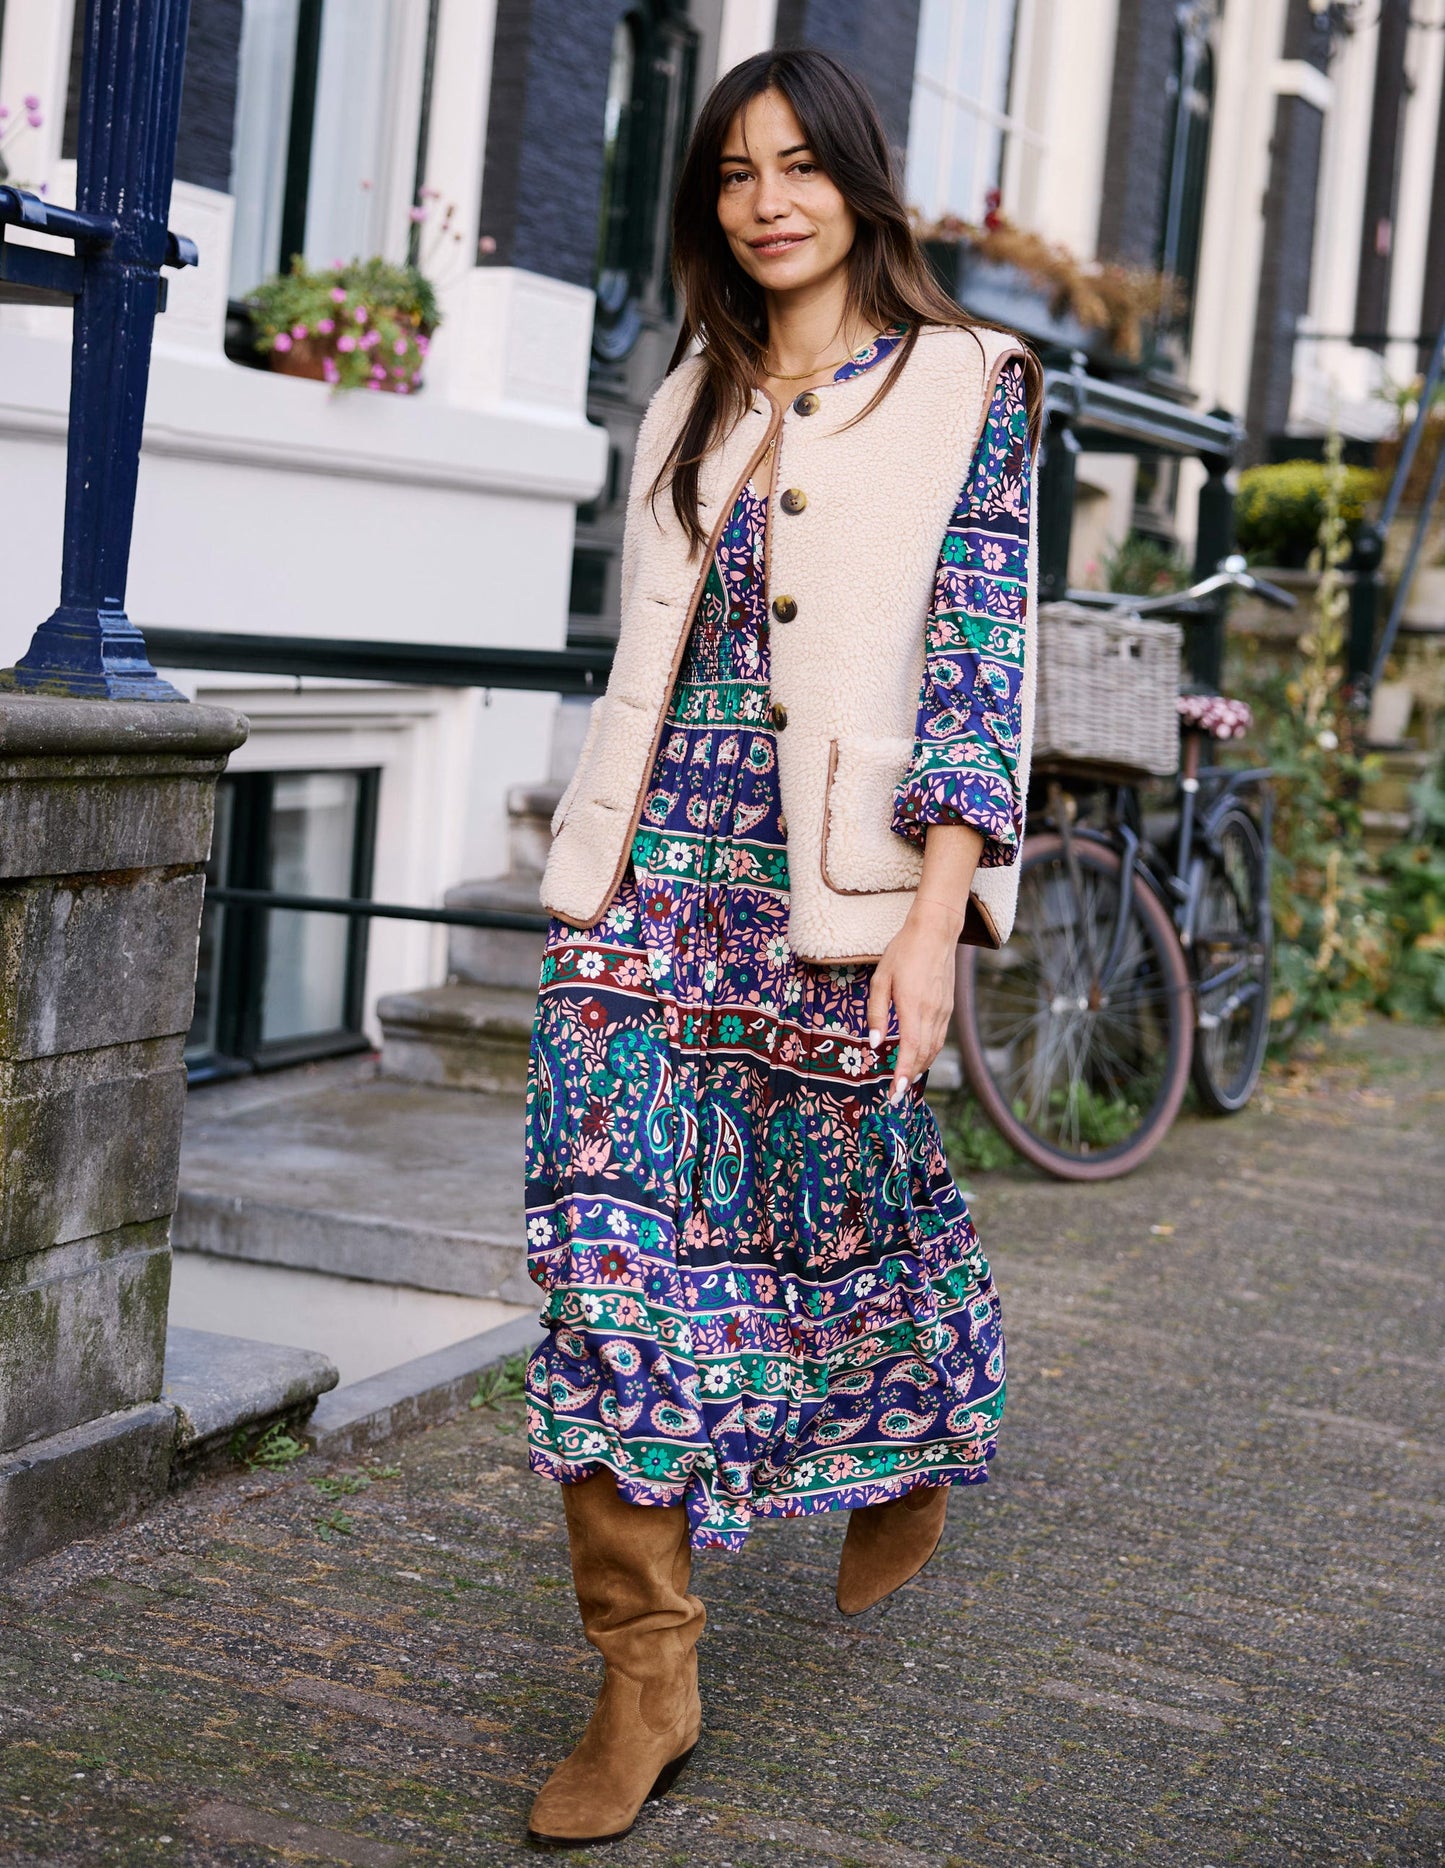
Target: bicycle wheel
(1083, 1084)
(1233, 964)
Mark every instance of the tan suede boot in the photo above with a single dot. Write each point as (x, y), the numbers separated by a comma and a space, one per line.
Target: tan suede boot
(887, 1545)
(631, 1565)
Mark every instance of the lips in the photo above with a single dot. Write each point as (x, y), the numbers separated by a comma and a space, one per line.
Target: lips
(775, 244)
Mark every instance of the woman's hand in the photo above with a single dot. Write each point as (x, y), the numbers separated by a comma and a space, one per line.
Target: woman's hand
(915, 975)
(916, 971)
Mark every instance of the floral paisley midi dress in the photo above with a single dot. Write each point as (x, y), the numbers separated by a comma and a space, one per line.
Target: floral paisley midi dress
(764, 1293)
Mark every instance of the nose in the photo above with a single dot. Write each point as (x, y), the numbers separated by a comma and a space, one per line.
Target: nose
(771, 202)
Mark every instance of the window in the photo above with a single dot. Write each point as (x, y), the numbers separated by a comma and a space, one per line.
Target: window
(276, 985)
(1191, 106)
(330, 131)
(649, 95)
(961, 135)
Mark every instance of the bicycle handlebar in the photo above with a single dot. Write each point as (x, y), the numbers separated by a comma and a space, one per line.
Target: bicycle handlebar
(1232, 573)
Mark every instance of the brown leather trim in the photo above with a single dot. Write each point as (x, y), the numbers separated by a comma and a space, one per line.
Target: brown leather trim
(828, 881)
(978, 924)
(724, 513)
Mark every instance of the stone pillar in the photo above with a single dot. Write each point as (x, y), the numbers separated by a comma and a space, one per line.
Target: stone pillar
(105, 825)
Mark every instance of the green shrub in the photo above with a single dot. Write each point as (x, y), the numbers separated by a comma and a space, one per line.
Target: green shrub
(1144, 567)
(1411, 897)
(1278, 510)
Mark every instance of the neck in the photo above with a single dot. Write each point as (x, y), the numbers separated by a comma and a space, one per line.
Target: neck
(812, 329)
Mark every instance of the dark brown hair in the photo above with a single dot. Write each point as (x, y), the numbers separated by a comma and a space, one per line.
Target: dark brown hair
(889, 279)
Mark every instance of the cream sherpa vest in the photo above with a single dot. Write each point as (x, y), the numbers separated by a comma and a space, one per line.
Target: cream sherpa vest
(857, 557)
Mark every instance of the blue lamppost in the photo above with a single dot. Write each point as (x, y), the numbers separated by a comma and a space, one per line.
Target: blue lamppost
(134, 54)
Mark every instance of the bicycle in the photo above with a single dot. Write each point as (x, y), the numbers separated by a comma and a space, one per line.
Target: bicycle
(1142, 949)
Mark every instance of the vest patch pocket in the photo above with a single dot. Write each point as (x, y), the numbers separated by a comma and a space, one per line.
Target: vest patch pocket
(862, 854)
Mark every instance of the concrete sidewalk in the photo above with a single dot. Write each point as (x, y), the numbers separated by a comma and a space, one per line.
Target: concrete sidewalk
(1196, 1617)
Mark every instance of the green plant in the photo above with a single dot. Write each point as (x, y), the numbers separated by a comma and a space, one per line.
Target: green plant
(1331, 947)
(1280, 509)
(971, 1142)
(1140, 566)
(334, 1524)
(347, 1484)
(502, 1382)
(341, 1484)
(1411, 899)
(369, 321)
(275, 1449)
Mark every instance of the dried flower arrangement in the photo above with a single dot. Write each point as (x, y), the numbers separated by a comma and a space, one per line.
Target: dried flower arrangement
(1102, 295)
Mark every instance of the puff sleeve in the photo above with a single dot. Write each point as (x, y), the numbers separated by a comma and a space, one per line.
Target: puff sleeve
(964, 768)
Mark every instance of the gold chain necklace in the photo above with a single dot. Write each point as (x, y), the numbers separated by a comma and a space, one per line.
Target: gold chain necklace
(777, 376)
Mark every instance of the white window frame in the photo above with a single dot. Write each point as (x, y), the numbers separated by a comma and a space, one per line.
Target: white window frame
(962, 114)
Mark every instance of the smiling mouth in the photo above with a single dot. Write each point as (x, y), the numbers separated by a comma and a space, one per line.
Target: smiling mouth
(777, 243)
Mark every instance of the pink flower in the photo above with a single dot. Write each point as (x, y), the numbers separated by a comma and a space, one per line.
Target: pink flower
(360, 314)
(346, 341)
(399, 347)
(417, 214)
(299, 330)
(329, 370)
(281, 341)
(325, 326)
(378, 374)
(371, 339)
(375, 386)
(338, 293)
(34, 119)
(403, 389)
(4, 112)
(32, 102)
(423, 343)
(429, 193)
(486, 244)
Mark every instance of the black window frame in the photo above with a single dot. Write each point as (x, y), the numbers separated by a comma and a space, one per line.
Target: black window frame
(240, 933)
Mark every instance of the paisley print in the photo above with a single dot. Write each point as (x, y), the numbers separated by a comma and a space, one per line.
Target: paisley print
(764, 1293)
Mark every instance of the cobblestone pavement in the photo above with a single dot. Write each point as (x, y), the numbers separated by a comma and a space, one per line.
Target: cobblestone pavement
(1196, 1616)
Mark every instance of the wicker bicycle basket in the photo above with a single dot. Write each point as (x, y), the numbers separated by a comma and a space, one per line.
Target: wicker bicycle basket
(1108, 687)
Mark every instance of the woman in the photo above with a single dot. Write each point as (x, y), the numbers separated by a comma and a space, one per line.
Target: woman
(804, 785)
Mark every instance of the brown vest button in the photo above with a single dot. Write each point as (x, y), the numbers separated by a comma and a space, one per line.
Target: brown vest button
(778, 714)
(794, 500)
(784, 609)
(805, 404)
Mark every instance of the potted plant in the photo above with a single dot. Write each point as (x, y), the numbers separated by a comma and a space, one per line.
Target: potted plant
(366, 324)
(1008, 276)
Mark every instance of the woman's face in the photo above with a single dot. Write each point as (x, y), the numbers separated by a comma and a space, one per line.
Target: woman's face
(786, 223)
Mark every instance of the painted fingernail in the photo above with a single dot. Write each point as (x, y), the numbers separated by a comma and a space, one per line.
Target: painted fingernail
(875, 1038)
(900, 1084)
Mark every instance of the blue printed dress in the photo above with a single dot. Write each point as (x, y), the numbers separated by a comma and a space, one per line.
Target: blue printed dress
(764, 1293)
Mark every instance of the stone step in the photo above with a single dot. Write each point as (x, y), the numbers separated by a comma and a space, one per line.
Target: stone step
(227, 1391)
(496, 956)
(362, 1178)
(458, 1037)
(529, 826)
